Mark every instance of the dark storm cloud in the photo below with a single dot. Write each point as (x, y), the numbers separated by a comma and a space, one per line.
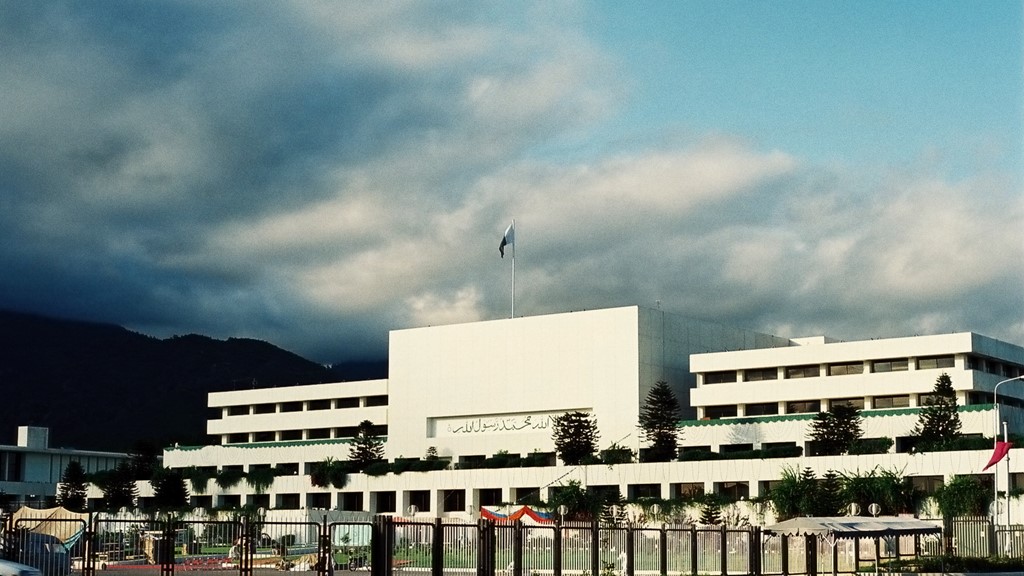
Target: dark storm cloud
(315, 174)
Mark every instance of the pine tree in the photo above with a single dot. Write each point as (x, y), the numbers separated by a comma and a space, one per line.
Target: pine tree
(367, 447)
(575, 435)
(710, 511)
(659, 420)
(835, 431)
(73, 487)
(118, 486)
(830, 497)
(169, 490)
(938, 423)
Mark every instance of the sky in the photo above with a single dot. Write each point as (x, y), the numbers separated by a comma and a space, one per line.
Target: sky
(317, 174)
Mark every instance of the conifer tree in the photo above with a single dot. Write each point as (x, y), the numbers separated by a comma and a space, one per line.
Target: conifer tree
(367, 447)
(169, 490)
(575, 435)
(659, 420)
(835, 431)
(73, 487)
(710, 511)
(938, 423)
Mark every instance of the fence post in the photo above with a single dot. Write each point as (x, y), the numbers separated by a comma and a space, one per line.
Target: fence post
(754, 548)
(167, 548)
(595, 548)
(630, 566)
(663, 550)
(486, 547)
(517, 548)
(379, 553)
(693, 550)
(325, 555)
(89, 546)
(556, 548)
(784, 553)
(723, 543)
(437, 549)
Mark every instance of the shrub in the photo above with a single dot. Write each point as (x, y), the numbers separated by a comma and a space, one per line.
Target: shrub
(783, 452)
(695, 455)
(378, 468)
(871, 446)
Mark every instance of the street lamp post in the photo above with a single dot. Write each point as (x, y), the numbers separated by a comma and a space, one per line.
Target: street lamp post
(995, 444)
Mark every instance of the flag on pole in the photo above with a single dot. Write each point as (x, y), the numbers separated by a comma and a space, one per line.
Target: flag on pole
(509, 239)
(1000, 452)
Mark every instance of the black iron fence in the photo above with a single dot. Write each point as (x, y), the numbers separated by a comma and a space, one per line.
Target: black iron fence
(250, 544)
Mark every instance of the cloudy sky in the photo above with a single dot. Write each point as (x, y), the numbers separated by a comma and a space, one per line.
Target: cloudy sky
(316, 174)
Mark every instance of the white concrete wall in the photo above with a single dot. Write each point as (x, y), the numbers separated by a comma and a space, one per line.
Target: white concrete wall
(475, 389)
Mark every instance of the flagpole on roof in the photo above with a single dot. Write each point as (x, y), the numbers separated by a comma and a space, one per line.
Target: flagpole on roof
(509, 239)
(513, 268)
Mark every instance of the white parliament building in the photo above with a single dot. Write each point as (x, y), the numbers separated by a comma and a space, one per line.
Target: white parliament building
(471, 391)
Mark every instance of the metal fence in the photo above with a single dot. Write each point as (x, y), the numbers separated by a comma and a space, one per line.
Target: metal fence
(248, 544)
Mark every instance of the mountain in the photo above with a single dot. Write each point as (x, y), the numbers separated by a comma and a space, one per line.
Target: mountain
(103, 387)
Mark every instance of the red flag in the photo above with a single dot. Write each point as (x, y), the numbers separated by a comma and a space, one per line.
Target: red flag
(1000, 452)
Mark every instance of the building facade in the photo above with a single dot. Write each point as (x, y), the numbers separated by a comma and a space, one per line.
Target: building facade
(472, 391)
(31, 470)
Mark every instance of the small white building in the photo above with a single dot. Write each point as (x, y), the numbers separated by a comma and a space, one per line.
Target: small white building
(31, 470)
(471, 391)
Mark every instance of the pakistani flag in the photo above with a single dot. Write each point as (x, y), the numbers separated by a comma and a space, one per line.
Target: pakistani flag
(509, 239)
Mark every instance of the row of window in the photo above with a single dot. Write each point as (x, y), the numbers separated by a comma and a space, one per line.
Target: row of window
(340, 432)
(309, 405)
(814, 406)
(837, 369)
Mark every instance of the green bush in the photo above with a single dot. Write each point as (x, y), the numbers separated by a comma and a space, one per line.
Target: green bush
(871, 446)
(378, 468)
(967, 564)
(783, 452)
(696, 455)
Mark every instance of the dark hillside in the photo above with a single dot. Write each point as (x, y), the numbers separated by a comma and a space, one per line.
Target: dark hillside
(100, 386)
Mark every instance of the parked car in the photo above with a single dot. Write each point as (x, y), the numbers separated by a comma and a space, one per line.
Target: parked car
(8, 568)
(43, 551)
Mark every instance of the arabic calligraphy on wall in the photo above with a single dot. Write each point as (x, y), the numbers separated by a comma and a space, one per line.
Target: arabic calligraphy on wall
(496, 424)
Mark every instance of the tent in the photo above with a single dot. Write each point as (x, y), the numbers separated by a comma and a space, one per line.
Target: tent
(831, 529)
(61, 523)
(525, 514)
(853, 527)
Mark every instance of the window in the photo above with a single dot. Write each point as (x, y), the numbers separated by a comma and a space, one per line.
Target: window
(720, 377)
(319, 405)
(291, 435)
(263, 437)
(733, 448)
(897, 365)
(264, 408)
(316, 500)
(637, 491)
(933, 362)
(686, 489)
(758, 374)
(346, 432)
(809, 371)
(891, 401)
(490, 496)
(238, 410)
(526, 495)
(857, 403)
(846, 368)
(291, 407)
(975, 363)
(288, 469)
(420, 499)
(716, 412)
(765, 409)
(381, 400)
(803, 407)
(927, 399)
(346, 403)
(351, 501)
(238, 438)
(454, 500)
(385, 501)
(318, 433)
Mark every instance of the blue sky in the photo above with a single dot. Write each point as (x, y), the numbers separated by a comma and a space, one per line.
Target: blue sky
(315, 174)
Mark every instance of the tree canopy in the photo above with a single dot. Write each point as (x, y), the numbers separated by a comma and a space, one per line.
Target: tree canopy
(659, 420)
(938, 423)
(575, 435)
(835, 432)
(367, 447)
(73, 487)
